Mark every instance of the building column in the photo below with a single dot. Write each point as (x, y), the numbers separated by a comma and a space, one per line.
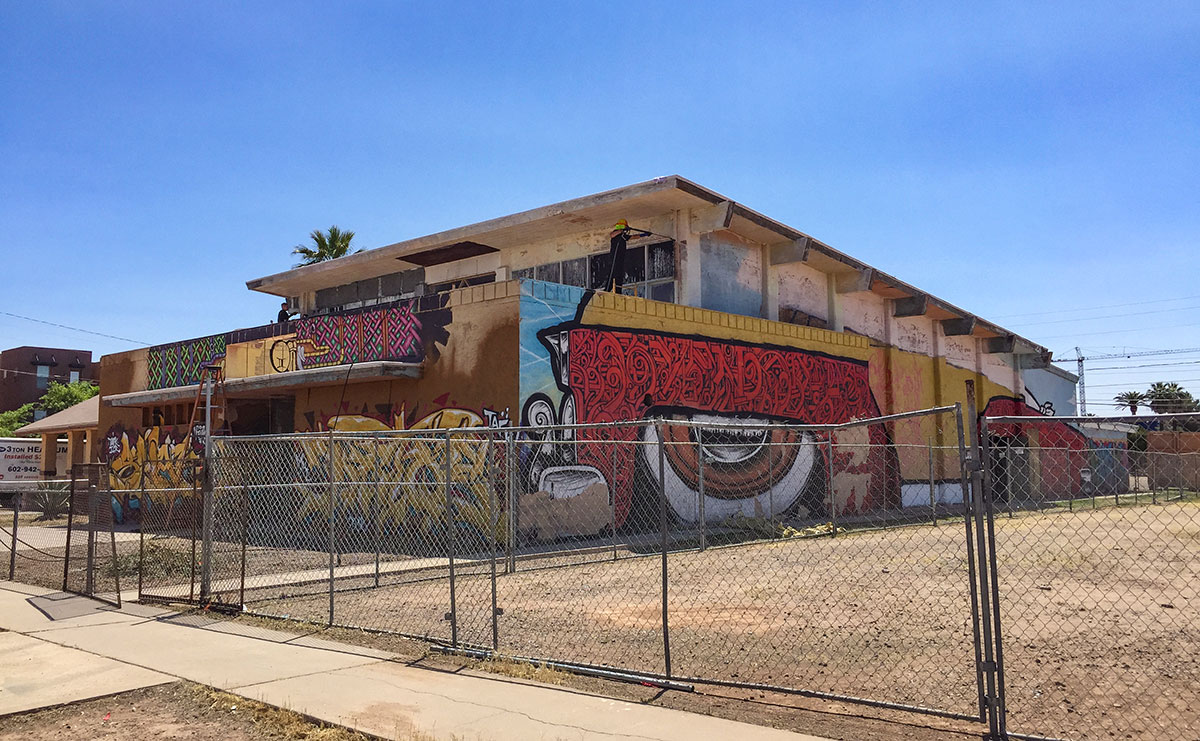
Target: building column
(89, 446)
(49, 454)
(75, 444)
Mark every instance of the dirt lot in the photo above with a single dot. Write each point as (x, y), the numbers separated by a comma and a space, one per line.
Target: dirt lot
(1099, 615)
(178, 710)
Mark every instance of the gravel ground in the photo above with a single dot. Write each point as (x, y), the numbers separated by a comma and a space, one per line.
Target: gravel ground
(172, 711)
(1099, 615)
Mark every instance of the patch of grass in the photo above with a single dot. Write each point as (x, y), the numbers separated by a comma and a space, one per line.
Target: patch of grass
(160, 562)
(524, 670)
(280, 722)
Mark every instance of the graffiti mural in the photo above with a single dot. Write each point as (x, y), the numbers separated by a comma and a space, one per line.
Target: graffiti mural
(605, 374)
(180, 363)
(1050, 460)
(397, 332)
(150, 469)
(403, 476)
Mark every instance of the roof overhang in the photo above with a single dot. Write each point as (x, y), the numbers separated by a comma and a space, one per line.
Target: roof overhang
(82, 416)
(641, 201)
(267, 385)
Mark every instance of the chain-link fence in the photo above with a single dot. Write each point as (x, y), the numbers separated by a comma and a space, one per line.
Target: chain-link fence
(90, 562)
(33, 531)
(825, 560)
(1096, 553)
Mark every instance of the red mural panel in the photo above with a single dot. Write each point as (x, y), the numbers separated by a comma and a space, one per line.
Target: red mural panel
(617, 375)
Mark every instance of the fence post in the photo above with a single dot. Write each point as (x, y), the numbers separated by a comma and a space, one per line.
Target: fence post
(332, 515)
(494, 523)
(70, 528)
(206, 499)
(932, 488)
(93, 515)
(771, 482)
(450, 543)
(510, 486)
(988, 589)
(196, 486)
(376, 526)
(700, 513)
(662, 512)
(1150, 480)
(143, 513)
(612, 498)
(832, 491)
(12, 554)
(245, 539)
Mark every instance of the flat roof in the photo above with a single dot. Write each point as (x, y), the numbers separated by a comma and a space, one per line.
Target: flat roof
(640, 200)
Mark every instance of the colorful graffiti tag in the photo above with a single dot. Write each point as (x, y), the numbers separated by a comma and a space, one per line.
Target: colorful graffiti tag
(401, 479)
(150, 469)
(1048, 459)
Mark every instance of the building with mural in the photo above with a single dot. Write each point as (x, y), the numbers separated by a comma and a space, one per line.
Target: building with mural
(725, 314)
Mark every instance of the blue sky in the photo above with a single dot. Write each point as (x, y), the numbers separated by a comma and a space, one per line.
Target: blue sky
(1038, 159)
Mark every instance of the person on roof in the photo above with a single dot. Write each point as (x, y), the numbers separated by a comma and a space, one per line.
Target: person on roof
(618, 238)
(285, 313)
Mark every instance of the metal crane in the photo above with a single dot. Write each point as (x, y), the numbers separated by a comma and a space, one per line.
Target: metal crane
(1079, 358)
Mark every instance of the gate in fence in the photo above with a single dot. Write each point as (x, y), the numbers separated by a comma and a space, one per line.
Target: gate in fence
(90, 564)
(1094, 549)
(882, 561)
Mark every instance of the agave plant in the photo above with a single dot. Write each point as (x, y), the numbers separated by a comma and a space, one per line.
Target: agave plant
(50, 501)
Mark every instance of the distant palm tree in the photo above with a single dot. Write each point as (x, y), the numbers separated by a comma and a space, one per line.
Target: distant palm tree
(326, 246)
(1131, 399)
(1169, 398)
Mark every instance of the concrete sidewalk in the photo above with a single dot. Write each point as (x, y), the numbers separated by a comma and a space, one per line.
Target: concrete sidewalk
(61, 649)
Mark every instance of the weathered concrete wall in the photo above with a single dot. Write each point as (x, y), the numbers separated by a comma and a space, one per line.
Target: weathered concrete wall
(731, 275)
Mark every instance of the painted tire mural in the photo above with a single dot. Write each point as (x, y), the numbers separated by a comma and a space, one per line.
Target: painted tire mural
(607, 375)
(747, 472)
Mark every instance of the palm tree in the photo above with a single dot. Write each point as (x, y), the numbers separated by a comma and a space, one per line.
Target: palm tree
(1131, 399)
(1169, 398)
(326, 246)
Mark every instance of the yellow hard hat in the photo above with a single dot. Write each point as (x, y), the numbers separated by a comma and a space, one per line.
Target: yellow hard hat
(621, 224)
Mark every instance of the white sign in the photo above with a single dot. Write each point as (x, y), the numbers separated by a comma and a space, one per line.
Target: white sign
(21, 458)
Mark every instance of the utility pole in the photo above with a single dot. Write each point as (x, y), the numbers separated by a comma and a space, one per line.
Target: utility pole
(1082, 390)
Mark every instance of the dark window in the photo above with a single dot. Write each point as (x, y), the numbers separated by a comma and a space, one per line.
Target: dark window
(635, 264)
(574, 272)
(550, 272)
(522, 273)
(600, 266)
(663, 292)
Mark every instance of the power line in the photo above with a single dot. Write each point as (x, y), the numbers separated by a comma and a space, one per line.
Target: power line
(1114, 385)
(73, 329)
(1093, 308)
(1118, 331)
(1107, 316)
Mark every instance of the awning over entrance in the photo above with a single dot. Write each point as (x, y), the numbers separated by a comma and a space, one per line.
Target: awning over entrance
(253, 386)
